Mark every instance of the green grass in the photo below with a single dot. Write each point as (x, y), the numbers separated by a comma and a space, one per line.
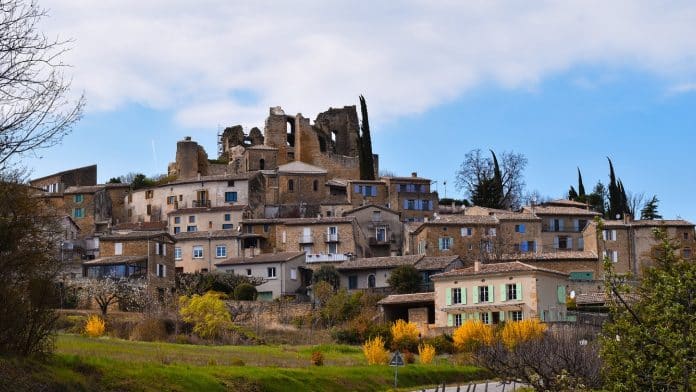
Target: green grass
(83, 364)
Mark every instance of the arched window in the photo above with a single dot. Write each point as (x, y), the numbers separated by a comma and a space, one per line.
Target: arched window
(262, 164)
(315, 185)
(291, 185)
(371, 282)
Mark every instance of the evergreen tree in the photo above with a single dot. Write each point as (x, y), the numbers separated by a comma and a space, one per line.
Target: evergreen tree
(618, 202)
(497, 195)
(579, 194)
(367, 164)
(581, 187)
(598, 198)
(572, 194)
(649, 211)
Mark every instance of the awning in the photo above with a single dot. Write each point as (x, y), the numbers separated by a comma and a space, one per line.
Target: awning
(482, 308)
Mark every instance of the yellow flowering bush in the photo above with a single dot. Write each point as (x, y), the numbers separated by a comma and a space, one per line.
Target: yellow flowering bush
(471, 335)
(374, 351)
(426, 353)
(404, 335)
(515, 332)
(95, 326)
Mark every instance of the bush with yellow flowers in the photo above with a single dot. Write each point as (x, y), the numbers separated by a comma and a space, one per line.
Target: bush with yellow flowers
(95, 326)
(426, 353)
(472, 335)
(515, 332)
(404, 335)
(374, 351)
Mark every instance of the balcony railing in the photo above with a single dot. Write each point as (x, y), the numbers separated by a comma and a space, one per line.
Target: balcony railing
(321, 257)
(306, 239)
(555, 229)
(331, 237)
(200, 203)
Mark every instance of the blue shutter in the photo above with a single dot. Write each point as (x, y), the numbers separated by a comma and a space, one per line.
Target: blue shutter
(405, 204)
(356, 189)
(450, 320)
(522, 228)
(439, 241)
(374, 191)
(448, 297)
(524, 247)
(418, 204)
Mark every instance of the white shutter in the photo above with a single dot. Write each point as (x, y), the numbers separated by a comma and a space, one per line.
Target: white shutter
(570, 243)
(613, 235)
(284, 236)
(164, 271)
(560, 224)
(604, 235)
(164, 249)
(555, 242)
(118, 248)
(615, 256)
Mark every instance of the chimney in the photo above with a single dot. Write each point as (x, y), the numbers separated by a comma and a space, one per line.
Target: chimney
(414, 174)
(628, 217)
(477, 266)
(187, 138)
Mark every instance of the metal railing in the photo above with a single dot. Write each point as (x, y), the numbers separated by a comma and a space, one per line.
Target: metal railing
(306, 239)
(331, 237)
(200, 203)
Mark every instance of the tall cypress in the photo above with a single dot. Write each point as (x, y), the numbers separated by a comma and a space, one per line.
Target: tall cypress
(614, 194)
(367, 164)
(581, 187)
(498, 195)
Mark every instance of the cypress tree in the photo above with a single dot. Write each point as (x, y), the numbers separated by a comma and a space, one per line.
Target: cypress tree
(367, 164)
(615, 198)
(497, 193)
(581, 187)
(572, 194)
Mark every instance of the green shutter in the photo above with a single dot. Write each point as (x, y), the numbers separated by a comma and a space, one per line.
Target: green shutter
(448, 297)
(476, 316)
(503, 292)
(491, 297)
(502, 315)
(450, 320)
(561, 291)
(463, 295)
(518, 289)
(439, 242)
(475, 294)
(490, 318)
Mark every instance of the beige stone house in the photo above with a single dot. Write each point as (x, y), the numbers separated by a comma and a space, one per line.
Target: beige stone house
(563, 224)
(135, 254)
(497, 292)
(412, 197)
(284, 273)
(382, 227)
(200, 251)
(184, 220)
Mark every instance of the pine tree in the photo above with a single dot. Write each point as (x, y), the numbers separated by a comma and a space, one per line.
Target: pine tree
(649, 211)
(367, 164)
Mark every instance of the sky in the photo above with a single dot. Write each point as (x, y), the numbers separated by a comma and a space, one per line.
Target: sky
(567, 84)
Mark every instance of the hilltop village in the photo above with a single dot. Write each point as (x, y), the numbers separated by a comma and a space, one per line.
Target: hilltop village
(280, 203)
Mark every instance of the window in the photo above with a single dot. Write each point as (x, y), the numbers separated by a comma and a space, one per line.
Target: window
(421, 247)
(262, 164)
(686, 253)
(511, 291)
(192, 219)
(191, 228)
(458, 320)
(228, 217)
(353, 282)
(563, 242)
(581, 224)
(381, 234)
(376, 216)
(291, 186)
(484, 318)
(149, 194)
(171, 199)
(519, 228)
(527, 246)
(248, 271)
(230, 197)
(556, 225)
(198, 252)
(271, 272)
(266, 227)
(467, 231)
(315, 185)
(609, 235)
(425, 205)
(149, 209)
(293, 274)
(686, 236)
(483, 293)
(456, 295)
(445, 243)
(371, 281)
(78, 198)
(230, 183)
(491, 231)
(177, 253)
(177, 220)
(612, 254)
(581, 275)
(516, 315)
(130, 197)
(78, 212)
(332, 248)
(227, 226)
(118, 248)
(220, 251)
(161, 270)
(488, 246)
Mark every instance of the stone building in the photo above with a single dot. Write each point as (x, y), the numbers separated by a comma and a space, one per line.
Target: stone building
(411, 196)
(199, 251)
(58, 182)
(135, 254)
(563, 224)
(228, 217)
(382, 227)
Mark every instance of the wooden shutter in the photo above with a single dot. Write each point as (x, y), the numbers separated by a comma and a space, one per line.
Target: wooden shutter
(560, 224)
(503, 292)
(555, 242)
(491, 298)
(561, 292)
(450, 320)
(463, 295)
(475, 294)
(522, 228)
(604, 235)
(570, 243)
(518, 289)
(439, 242)
(502, 315)
(448, 297)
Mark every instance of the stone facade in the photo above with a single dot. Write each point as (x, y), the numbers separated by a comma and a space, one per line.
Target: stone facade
(382, 227)
(283, 273)
(58, 182)
(200, 251)
(205, 219)
(411, 196)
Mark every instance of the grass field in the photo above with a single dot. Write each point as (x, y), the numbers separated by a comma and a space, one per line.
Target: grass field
(84, 364)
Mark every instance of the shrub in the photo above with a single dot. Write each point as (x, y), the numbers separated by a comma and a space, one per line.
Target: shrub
(472, 335)
(405, 279)
(317, 358)
(516, 332)
(207, 313)
(443, 344)
(404, 335)
(236, 362)
(409, 357)
(426, 353)
(374, 351)
(150, 330)
(245, 292)
(95, 326)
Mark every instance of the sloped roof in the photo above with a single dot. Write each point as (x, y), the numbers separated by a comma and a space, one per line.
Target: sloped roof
(389, 210)
(516, 216)
(553, 256)
(648, 223)
(436, 262)
(379, 262)
(555, 210)
(137, 235)
(495, 268)
(194, 210)
(214, 234)
(262, 258)
(397, 299)
(565, 203)
(300, 167)
(141, 226)
(115, 260)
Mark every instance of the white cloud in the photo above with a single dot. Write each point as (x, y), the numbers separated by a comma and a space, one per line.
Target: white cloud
(682, 88)
(406, 57)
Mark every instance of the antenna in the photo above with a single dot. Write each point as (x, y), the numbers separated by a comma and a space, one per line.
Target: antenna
(444, 184)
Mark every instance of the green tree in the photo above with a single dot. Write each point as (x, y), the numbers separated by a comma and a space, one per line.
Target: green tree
(405, 279)
(114, 180)
(245, 292)
(207, 313)
(649, 342)
(649, 211)
(367, 164)
(578, 195)
(598, 198)
(329, 274)
(618, 202)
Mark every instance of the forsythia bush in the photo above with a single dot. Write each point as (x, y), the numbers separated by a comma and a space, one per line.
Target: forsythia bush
(207, 313)
(515, 332)
(95, 326)
(404, 335)
(426, 353)
(374, 351)
(471, 335)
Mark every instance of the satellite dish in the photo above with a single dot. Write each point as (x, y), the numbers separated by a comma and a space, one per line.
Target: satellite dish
(572, 294)
(618, 216)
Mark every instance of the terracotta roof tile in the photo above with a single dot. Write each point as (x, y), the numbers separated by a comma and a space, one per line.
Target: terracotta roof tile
(495, 268)
(231, 233)
(116, 260)
(194, 210)
(436, 262)
(379, 262)
(552, 256)
(262, 258)
(552, 210)
(407, 298)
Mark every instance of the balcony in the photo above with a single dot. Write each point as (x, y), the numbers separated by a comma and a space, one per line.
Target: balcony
(381, 240)
(306, 239)
(557, 229)
(321, 257)
(200, 203)
(331, 237)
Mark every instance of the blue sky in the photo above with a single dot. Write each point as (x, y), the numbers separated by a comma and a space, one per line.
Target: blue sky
(566, 84)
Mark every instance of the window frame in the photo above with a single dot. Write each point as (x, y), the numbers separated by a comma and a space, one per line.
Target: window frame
(218, 254)
(195, 250)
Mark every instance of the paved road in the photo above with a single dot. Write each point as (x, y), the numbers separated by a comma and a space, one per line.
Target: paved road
(491, 386)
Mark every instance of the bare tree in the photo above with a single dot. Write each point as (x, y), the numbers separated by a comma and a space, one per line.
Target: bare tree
(477, 176)
(636, 201)
(35, 108)
(130, 293)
